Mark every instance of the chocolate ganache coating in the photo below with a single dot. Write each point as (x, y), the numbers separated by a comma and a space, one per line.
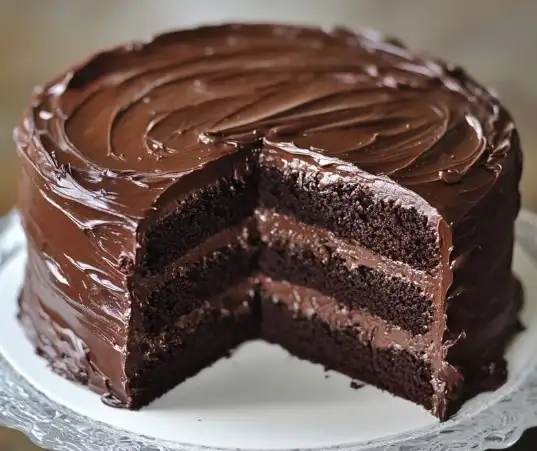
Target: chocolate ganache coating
(103, 144)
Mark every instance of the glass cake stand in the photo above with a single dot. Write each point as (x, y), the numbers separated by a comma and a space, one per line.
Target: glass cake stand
(319, 410)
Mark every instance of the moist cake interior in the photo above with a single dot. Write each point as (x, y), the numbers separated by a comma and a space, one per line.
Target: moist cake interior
(333, 273)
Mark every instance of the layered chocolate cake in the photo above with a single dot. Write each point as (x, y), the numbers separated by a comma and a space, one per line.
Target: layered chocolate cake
(327, 191)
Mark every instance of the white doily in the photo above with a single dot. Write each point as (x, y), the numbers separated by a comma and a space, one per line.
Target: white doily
(498, 425)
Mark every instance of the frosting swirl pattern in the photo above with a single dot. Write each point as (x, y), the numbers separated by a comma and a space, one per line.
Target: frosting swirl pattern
(129, 122)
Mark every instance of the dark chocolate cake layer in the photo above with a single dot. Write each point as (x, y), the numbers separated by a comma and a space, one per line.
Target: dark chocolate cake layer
(304, 322)
(147, 170)
(187, 221)
(350, 207)
(196, 340)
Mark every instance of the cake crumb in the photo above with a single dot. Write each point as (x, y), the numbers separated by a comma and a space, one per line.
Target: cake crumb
(356, 385)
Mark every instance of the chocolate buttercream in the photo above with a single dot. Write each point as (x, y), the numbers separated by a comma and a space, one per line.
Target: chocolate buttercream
(116, 131)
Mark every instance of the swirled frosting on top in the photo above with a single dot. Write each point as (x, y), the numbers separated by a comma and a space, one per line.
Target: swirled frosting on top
(117, 130)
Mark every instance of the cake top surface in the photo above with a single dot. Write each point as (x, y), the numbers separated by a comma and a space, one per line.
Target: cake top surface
(116, 131)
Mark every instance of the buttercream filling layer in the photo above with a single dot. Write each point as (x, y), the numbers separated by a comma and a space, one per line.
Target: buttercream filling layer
(310, 303)
(273, 226)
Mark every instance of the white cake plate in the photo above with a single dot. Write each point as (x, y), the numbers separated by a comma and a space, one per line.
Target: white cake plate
(261, 398)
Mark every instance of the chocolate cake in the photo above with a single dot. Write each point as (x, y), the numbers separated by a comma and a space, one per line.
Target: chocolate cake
(331, 192)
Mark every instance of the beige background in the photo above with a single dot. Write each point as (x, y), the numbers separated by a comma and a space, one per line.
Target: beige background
(495, 39)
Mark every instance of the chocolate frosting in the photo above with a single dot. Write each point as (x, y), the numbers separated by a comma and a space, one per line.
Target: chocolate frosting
(103, 144)
(123, 126)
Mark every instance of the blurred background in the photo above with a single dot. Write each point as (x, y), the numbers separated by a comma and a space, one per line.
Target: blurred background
(496, 40)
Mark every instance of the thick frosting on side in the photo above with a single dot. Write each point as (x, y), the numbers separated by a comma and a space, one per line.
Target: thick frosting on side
(130, 128)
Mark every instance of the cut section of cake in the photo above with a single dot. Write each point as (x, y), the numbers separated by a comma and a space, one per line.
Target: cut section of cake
(327, 191)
